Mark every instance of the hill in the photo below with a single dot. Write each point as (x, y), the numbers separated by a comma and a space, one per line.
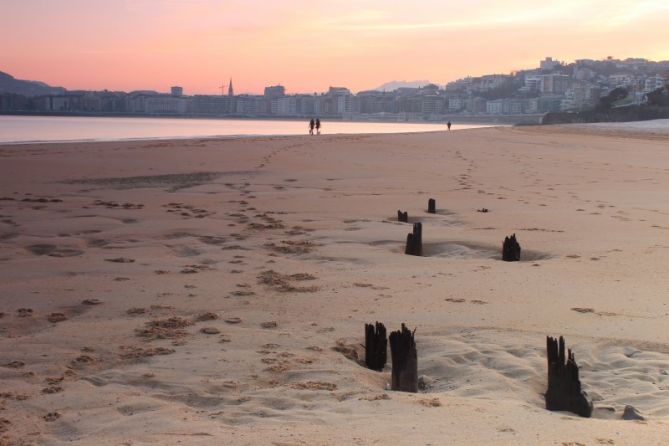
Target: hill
(394, 85)
(8, 84)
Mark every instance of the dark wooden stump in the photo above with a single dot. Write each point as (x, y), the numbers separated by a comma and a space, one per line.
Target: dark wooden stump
(432, 206)
(414, 244)
(405, 361)
(408, 249)
(403, 216)
(564, 386)
(376, 346)
(511, 249)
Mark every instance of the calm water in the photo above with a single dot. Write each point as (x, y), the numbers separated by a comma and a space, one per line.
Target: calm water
(21, 129)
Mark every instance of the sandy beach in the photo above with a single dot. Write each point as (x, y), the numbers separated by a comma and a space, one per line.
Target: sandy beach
(214, 292)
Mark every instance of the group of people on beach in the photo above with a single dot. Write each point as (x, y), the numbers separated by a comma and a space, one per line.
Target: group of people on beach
(315, 124)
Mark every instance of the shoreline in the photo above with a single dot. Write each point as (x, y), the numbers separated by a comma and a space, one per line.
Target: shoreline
(467, 120)
(211, 138)
(397, 130)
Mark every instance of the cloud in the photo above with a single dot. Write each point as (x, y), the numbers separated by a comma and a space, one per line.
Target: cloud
(449, 15)
(620, 14)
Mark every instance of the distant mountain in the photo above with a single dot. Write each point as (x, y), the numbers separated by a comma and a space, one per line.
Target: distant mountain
(8, 84)
(394, 85)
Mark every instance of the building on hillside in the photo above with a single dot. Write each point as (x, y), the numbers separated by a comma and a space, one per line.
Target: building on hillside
(621, 80)
(554, 84)
(653, 83)
(533, 83)
(548, 64)
(432, 105)
(476, 105)
(456, 104)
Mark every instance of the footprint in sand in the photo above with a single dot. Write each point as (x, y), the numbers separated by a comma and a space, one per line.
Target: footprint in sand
(44, 249)
(15, 365)
(25, 312)
(430, 402)
(52, 389)
(315, 385)
(56, 317)
(120, 260)
(135, 311)
(207, 316)
(51, 416)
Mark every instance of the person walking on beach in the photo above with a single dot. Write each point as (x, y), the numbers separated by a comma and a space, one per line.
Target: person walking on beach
(311, 126)
(318, 126)
(448, 124)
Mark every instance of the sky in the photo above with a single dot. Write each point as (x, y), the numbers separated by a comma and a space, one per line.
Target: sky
(309, 45)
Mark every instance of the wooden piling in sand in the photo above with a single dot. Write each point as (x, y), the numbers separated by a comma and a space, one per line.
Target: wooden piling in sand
(404, 358)
(432, 206)
(403, 216)
(564, 386)
(376, 346)
(511, 249)
(414, 245)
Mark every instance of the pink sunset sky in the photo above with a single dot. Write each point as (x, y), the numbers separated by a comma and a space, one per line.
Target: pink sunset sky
(310, 45)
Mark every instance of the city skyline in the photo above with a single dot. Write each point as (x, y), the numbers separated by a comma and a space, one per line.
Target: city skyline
(89, 45)
(552, 87)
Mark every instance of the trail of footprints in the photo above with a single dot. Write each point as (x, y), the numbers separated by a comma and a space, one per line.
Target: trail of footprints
(164, 324)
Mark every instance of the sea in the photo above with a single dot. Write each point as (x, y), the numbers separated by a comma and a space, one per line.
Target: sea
(32, 129)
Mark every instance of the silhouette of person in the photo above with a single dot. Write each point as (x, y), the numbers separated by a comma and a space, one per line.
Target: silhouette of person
(318, 126)
(311, 126)
(448, 124)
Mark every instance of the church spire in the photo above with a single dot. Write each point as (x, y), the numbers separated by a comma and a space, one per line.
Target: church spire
(231, 91)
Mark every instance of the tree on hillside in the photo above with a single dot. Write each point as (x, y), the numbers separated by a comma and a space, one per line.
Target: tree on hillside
(659, 97)
(606, 102)
(507, 89)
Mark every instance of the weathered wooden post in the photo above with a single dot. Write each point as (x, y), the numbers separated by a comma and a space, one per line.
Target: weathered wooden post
(564, 386)
(511, 249)
(404, 376)
(414, 244)
(432, 206)
(408, 249)
(403, 216)
(376, 346)
(418, 238)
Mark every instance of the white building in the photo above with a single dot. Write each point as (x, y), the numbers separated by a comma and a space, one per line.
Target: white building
(494, 107)
(165, 104)
(533, 82)
(548, 64)
(456, 104)
(653, 83)
(286, 106)
(621, 80)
